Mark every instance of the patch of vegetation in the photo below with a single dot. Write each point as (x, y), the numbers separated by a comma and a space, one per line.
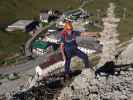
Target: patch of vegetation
(10, 43)
(92, 28)
(44, 24)
(13, 76)
(77, 64)
(1, 77)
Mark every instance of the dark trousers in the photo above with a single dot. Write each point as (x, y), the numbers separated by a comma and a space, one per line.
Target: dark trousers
(70, 52)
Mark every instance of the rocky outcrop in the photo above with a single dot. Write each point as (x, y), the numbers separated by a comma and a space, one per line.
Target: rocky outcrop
(47, 88)
(88, 87)
(109, 37)
(126, 56)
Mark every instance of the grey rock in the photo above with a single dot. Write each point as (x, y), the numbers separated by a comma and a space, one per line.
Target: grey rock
(13, 76)
(130, 97)
(2, 97)
(0, 83)
(130, 69)
(94, 97)
(122, 73)
(123, 97)
(105, 97)
(1, 76)
(94, 89)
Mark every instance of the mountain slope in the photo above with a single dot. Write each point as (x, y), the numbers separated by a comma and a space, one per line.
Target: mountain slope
(13, 9)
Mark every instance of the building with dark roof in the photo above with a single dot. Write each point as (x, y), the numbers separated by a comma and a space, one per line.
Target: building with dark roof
(32, 26)
(44, 17)
(48, 16)
(39, 47)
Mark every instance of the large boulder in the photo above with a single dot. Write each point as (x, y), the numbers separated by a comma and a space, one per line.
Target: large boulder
(126, 56)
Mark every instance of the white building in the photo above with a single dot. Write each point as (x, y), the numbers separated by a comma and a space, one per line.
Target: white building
(19, 25)
(44, 17)
(39, 47)
(52, 62)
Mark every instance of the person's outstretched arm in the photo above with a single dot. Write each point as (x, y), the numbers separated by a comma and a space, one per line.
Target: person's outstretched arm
(90, 34)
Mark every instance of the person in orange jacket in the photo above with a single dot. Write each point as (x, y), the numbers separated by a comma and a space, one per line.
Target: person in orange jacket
(69, 47)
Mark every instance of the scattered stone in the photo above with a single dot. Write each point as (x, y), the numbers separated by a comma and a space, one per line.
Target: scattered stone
(122, 72)
(130, 69)
(1, 76)
(0, 83)
(103, 88)
(2, 97)
(13, 76)
(123, 97)
(130, 97)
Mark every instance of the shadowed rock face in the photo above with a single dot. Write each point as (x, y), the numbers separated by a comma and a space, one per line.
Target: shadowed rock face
(45, 89)
(108, 68)
(109, 36)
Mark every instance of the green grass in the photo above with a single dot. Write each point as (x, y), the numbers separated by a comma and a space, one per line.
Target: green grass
(10, 43)
(12, 40)
(125, 26)
(93, 28)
